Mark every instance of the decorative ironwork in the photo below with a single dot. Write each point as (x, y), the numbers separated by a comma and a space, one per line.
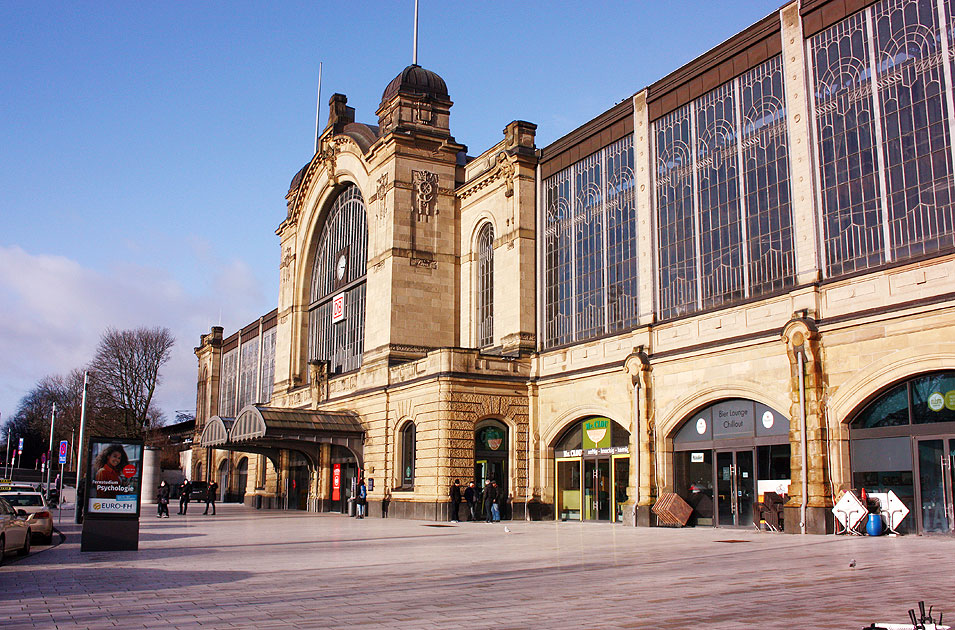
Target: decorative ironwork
(345, 233)
(883, 124)
(590, 266)
(724, 214)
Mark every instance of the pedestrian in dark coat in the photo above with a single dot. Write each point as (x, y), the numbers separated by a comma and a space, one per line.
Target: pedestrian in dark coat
(455, 494)
(470, 495)
(163, 498)
(490, 499)
(211, 497)
(185, 489)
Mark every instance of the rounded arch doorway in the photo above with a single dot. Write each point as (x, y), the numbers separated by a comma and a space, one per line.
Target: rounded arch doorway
(903, 441)
(592, 470)
(491, 446)
(728, 458)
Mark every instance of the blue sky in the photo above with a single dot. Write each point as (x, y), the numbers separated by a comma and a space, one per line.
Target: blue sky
(146, 148)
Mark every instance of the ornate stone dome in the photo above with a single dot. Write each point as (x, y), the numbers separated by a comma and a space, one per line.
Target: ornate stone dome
(416, 81)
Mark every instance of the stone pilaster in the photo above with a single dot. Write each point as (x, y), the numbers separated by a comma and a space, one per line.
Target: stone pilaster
(803, 347)
(640, 490)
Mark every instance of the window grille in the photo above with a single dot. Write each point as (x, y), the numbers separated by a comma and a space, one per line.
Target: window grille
(590, 267)
(883, 126)
(230, 361)
(248, 371)
(268, 365)
(342, 249)
(721, 195)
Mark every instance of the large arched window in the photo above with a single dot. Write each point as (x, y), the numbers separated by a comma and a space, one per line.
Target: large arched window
(408, 455)
(485, 287)
(336, 312)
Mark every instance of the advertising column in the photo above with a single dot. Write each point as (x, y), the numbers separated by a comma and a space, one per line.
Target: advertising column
(113, 490)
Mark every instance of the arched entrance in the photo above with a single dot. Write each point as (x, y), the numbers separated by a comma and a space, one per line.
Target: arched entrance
(727, 457)
(904, 441)
(241, 479)
(593, 468)
(491, 446)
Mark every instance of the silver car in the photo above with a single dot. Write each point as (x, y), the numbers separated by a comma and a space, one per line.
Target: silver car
(14, 531)
(38, 512)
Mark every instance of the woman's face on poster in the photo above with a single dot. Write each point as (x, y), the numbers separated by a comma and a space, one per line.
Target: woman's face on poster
(114, 459)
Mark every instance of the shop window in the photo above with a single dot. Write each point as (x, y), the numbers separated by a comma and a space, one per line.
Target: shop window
(933, 398)
(890, 410)
(408, 447)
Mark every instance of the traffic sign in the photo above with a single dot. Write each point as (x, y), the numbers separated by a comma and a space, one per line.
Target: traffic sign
(64, 447)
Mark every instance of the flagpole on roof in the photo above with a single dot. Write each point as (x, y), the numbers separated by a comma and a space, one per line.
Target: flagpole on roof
(318, 104)
(414, 56)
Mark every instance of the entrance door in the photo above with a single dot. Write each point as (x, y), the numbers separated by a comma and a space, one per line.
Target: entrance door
(735, 486)
(936, 479)
(597, 490)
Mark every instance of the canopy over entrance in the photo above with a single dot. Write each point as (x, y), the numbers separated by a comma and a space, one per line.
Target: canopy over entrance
(266, 430)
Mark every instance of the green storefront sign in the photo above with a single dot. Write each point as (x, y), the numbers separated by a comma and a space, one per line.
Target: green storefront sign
(596, 433)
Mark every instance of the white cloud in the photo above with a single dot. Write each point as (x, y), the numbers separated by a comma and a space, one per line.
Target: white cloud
(53, 311)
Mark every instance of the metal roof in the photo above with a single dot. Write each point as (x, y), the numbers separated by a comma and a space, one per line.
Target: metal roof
(256, 422)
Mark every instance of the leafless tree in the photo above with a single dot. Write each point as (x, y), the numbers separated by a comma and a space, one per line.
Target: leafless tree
(125, 373)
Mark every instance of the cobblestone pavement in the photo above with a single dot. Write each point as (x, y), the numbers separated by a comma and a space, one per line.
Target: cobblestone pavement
(249, 569)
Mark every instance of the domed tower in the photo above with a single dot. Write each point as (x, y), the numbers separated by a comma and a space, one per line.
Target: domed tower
(417, 99)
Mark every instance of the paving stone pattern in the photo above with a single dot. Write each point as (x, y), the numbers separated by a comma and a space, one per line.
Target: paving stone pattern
(249, 569)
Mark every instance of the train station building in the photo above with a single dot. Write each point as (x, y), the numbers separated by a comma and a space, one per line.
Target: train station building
(738, 282)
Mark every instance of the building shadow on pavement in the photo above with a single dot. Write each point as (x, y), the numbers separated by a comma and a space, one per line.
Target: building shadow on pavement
(60, 581)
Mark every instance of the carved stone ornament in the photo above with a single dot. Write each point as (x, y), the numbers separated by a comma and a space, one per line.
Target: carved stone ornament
(328, 156)
(380, 197)
(506, 169)
(424, 185)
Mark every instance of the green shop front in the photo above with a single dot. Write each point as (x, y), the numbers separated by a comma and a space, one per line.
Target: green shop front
(592, 459)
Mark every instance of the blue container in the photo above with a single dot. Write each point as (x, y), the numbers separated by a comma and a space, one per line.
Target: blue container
(873, 526)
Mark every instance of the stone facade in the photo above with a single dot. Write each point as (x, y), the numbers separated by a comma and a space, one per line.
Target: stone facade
(817, 351)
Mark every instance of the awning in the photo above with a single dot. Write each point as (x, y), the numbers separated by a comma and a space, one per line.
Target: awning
(258, 422)
(267, 430)
(216, 431)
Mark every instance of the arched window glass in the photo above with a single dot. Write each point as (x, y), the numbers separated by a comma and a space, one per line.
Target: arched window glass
(408, 455)
(485, 286)
(336, 317)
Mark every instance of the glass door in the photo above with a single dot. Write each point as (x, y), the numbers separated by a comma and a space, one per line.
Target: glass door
(568, 489)
(597, 489)
(621, 477)
(735, 487)
(935, 484)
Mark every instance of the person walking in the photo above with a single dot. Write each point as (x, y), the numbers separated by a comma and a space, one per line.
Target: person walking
(163, 498)
(490, 499)
(496, 505)
(362, 499)
(185, 489)
(455, 494)
(211, 497)
(470, 495)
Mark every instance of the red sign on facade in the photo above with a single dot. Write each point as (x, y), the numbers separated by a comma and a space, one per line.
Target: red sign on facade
(338, 307)
(337, 482)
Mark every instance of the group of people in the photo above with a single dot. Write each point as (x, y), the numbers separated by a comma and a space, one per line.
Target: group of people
(489, 500)
(185, 489)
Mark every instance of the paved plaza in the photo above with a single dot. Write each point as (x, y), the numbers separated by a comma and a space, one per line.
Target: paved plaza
(261, 569)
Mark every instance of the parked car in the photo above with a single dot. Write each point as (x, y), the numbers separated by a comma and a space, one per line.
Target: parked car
(37, 511)
(15, 532)
(199, 490)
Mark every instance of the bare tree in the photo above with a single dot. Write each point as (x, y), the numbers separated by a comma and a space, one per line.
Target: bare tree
(126, 373)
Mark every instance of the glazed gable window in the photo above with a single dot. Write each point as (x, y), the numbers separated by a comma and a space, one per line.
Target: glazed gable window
(721, 195)
(883, 134)
(338, 282)
(590, 247)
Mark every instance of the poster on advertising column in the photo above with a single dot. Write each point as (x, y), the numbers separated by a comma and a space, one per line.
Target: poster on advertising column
(115, 477)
